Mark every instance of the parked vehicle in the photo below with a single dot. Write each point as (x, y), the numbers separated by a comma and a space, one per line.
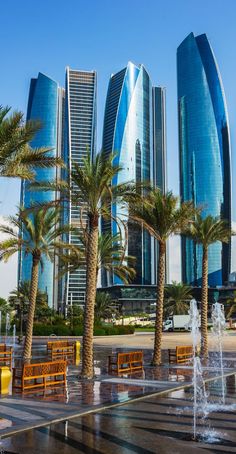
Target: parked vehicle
(176, 322)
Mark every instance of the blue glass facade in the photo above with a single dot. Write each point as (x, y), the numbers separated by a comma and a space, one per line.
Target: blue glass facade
(43, 106)
(205, 175)
(128, 132)
(159, 160)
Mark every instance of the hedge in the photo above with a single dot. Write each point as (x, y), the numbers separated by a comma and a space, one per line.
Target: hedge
(41, 329)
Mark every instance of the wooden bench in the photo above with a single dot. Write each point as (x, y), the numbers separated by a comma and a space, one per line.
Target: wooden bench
(66, 352)
(61, 350)
(181, 354)
(6, 355)
(54, 344)
(40, 375)
(125, 362)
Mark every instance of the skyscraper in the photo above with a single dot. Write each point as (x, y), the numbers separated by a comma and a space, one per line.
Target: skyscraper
(204, 145)
(80, 138)
(44, 103)
(159, 161)
(128, 131)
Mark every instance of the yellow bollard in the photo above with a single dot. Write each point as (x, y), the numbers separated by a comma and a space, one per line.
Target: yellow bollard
(5, 378)
(77, 353)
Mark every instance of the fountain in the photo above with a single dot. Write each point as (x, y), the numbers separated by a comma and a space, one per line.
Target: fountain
(14, 336)
(218, 320)
(199, 390)
(7, 326)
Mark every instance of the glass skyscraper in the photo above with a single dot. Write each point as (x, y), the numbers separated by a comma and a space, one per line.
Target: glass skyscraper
(128, 131)
(80, 138)
(204, 145)
(159, 167)
(44, 104)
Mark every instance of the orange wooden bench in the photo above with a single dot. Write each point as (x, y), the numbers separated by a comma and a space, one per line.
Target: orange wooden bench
(39, 375)
(54, 344)
(66, 352)
(125, 362)
(6, 355)
(181, 354)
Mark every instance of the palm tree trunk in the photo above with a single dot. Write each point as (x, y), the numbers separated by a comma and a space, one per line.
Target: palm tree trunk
(156, 361)
(30, 318)
(91, 287)
(204, 304)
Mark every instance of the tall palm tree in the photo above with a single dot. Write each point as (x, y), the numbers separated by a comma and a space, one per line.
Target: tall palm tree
(161, 215)
(94, 191)
(40, 238)
(90, 187)
(178, 295)
(111, 257)
(206, 231)
(17, 158)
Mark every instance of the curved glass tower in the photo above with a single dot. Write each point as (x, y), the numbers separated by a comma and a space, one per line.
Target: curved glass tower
(44, 104)
(127, 132)
(204, 146)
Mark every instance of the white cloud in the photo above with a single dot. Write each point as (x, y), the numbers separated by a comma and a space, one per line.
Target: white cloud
(8, 271)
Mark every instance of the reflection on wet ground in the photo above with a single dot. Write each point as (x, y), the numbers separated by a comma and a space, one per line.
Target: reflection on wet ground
(38, 407)
(156, 424)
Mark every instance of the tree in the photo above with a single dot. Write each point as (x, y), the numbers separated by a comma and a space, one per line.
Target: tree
(111, 257)
(4, 306)
(90, 187)
(206, 231)
(161, 215)
(104, 307)
(22, 294)
(39, 238)
(94, 191)
(19, 300)
(177, 296)
(17, 158)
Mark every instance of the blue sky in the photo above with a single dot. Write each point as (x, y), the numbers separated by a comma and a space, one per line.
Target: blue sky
(104, 35)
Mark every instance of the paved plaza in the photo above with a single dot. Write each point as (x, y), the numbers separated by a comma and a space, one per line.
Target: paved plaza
(146, 412)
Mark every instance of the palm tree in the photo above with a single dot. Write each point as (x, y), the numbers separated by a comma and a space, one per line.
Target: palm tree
(22, 294)
(104, 307)
(91, 188)
(94, 190)
(177, 296)
(162, 216)
(17, 158)
(39, 238)
(111, 257)
(206, 231)
(19, 300)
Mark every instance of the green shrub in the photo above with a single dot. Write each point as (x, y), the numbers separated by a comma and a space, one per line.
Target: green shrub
(111, 331)
(126, 329)
(61, 330)
(99, 332)
(43, 330)
(40, 329)
(77, 330)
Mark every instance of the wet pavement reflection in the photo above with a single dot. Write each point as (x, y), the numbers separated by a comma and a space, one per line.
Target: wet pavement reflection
(154, 425)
